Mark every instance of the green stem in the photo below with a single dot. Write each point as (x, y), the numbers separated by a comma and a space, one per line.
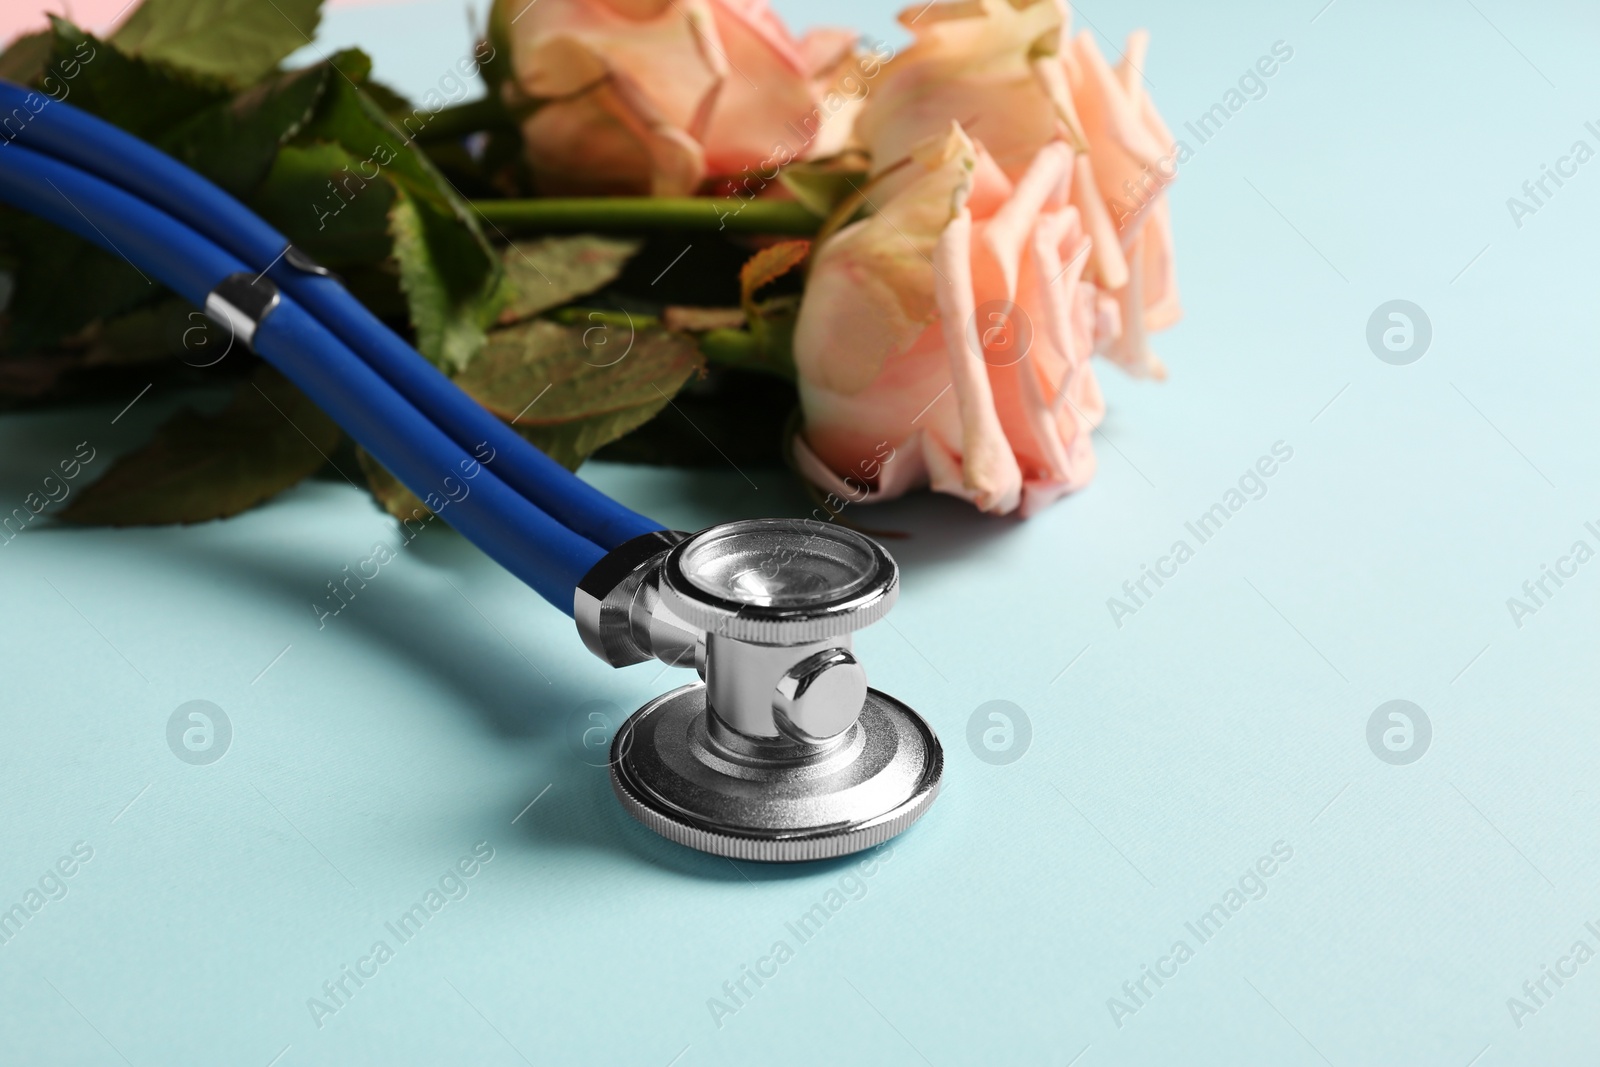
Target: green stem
(633, 213)
(744, 350)
(580, 316)
(459, 120)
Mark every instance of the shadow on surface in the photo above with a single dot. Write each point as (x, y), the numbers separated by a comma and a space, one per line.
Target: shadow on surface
(492, 679)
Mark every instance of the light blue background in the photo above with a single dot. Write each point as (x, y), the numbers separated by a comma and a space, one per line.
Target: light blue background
(1229, 714)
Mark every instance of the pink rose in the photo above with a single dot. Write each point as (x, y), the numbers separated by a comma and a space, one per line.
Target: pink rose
(654, 96)
(1133, 158)
(1028, 230)
(945, 339)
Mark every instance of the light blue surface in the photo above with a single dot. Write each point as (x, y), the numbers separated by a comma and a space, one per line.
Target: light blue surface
(1227, 715)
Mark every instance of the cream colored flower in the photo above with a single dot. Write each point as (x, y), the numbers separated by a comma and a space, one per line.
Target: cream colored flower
(951, 332)
(655, 96)
(1018, 225)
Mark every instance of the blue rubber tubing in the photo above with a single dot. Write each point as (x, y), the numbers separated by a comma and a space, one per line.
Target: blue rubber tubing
(76, 137)
(511, 530)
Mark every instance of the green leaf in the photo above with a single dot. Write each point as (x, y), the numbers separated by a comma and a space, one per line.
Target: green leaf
(26, 58)
(765, 267)
(389, 102)
(572, 389)
(235, 141)
(146, 99)
(171, 327)
(233, 40)
(547, 273)
(435, 257)
(201, 467)
(350, 117)
(62, 283)
(319, 197)
(449, 274)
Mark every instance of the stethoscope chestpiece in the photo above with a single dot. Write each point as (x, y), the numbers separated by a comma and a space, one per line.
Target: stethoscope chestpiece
(782, 752)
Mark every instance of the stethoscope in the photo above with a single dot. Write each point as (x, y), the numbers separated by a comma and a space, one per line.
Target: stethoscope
(780, 752)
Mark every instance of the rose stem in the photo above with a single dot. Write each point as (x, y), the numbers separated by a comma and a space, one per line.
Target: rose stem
(458, 120)
(741, 348)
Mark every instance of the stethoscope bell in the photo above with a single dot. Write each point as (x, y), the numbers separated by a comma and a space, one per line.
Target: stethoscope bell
(782, 752)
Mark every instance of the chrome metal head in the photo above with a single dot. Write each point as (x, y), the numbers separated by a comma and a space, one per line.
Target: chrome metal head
(782, 752)
(780, 581)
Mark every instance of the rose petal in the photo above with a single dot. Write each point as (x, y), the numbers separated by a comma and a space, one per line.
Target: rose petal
(970, 62)
(870, 294)
(989, 469)
(701, 87)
